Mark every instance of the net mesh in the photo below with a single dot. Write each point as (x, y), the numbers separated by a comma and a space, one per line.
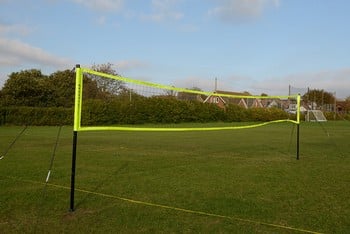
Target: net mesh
(138, 102)
(315, 116)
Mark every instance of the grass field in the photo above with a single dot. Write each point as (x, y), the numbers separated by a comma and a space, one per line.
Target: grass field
(242, 181)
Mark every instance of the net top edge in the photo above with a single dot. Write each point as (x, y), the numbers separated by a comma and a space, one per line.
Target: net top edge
(168, 87)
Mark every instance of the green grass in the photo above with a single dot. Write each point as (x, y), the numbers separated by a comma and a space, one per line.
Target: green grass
(248, 177)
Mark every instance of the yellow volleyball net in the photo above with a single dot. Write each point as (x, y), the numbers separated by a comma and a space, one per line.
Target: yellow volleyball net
(137, 102)
(129, 103)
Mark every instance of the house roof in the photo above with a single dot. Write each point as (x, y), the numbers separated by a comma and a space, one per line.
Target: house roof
(208, 98)
(232, 100)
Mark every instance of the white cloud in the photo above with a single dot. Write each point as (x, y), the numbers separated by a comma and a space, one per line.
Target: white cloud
(164, 10)
(188, 28)
(102, 5)
(128, 65)
(17, 53)
(241, 10)
(194, 81)
(101, 20)
(331, 81)
(14, 29)
(337, 81)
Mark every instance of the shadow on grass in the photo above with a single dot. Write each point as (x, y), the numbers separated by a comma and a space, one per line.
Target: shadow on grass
(104, 180)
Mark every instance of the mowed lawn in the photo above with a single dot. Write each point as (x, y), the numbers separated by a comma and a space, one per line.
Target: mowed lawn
(238, 181)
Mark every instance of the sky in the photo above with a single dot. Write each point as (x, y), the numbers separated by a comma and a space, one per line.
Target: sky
(259, 46)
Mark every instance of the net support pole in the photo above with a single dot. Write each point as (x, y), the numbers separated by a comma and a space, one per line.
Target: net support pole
(298, 138)
(298, 125)
(77, 119)
(74, 158)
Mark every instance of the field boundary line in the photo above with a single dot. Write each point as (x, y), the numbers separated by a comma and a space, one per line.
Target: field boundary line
(170, 207)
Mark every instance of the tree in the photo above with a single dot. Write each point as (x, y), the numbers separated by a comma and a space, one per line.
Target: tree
(26, 88)
(62, 84)
(320, 97)
(106, 85)
(189, 96)
(347, 104)
(32, 88)
(170, 93)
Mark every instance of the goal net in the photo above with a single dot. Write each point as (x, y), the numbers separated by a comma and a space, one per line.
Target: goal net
(138, 102)
(315, 116)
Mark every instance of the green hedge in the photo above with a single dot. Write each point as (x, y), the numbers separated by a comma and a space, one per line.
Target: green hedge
(36, 116)
(148, 110)
(138, 111)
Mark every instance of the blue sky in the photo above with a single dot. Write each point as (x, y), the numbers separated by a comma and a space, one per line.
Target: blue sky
(248, 45)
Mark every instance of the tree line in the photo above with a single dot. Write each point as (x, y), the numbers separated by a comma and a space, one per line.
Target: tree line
(31, 88)
(30, 97)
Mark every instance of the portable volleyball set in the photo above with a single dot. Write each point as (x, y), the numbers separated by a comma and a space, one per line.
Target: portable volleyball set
(149, 90)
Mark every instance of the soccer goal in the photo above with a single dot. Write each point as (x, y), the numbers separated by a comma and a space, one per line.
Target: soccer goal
(134, 102)
(315, 116)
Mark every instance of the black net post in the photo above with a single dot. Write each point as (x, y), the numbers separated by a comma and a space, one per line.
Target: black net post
(298, 139)
(77, 113)
(74, 157)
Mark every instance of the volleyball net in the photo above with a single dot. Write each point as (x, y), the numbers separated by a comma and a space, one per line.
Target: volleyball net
(134, 102)
(127, 103)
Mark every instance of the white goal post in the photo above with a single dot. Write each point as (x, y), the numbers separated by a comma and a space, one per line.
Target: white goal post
(315, 116)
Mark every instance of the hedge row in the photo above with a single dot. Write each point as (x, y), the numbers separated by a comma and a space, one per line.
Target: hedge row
(36, 116)
(139, 111)
(338, 116)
